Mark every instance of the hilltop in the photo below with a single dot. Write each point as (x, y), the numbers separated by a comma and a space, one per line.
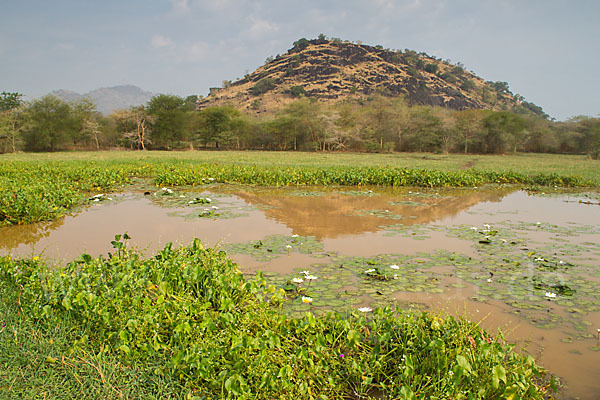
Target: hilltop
(335, 70)
(109, 99)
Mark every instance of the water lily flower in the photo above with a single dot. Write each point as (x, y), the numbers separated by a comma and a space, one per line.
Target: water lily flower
(207, 199)
(538, 259)
(306, 299)
(489, 280)
(295, 236)
(486, 226)
(474, 228)
(305, 272)
(215, 207)
(550, 295)
(297, 280)
(365, 309)
(538, 223)
(211, 179)
(394, 266)
(182, 195)
(370, 270)
(288, 246)
(310, 277)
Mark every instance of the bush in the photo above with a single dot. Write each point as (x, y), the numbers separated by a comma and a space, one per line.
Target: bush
(263, 86)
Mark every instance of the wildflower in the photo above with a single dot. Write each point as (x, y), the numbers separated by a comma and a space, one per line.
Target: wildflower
(288, 246)
(297, 280)
(342, 355)
(450, 373)
(550, 295)
(310, 277)
(370, 270)
(365, 309)
(394, 266)
(295, 236)
(306, 299)
(211, 179)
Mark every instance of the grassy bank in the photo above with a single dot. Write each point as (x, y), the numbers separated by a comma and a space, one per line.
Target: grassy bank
(186, 322)
(37, 187)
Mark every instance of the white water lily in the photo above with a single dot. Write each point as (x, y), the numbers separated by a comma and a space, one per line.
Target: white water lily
(182, 195)
(550, 295)
(394, 266)
(538, 223)
(486, 226)
(306, 299)
(538, 259)
(489, 280)
(474, 228)
(207, 199)
(305, 272)
(215, 207)
(310, 277)
(295, 236)
(297, 280)
(370, 270)
(365, 309)
(288, 246)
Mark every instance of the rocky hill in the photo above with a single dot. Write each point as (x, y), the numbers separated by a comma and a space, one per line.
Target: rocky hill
(335, 70)
(109, 99)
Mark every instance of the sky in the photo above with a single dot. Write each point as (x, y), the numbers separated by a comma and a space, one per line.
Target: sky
(547, 50)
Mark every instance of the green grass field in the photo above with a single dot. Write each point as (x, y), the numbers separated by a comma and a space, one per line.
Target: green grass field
(42, 187)
(529, 164)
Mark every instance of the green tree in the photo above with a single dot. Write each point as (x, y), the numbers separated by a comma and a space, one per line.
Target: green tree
(218, 125)
(11, 121)
(171, 121)
(468, 125)
(50, 124)
(303, 120)
(503, 128)
(10, 100)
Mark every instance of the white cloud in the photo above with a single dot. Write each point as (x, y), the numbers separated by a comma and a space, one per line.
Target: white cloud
(180, 7)
(195, 51)
(259, 27)
(160, 41)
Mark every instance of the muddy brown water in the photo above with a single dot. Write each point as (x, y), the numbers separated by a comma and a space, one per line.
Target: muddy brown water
(368, 222)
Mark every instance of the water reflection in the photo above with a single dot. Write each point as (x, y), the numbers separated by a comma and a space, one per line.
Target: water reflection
(336, 213)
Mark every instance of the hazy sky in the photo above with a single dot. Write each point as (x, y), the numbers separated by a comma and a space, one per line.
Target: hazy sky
(547, 50)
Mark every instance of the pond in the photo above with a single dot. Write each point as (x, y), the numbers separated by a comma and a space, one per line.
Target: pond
(527, 263)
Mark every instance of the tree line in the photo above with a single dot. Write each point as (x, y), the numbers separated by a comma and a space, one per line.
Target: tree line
(378, 124)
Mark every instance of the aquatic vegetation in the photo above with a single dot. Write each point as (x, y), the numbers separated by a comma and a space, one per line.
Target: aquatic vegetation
(189, 315)
(275, 246)
(34, 189)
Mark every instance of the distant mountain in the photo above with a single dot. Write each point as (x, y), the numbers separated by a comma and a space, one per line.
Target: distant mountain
(109, 99)
(335, 70)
